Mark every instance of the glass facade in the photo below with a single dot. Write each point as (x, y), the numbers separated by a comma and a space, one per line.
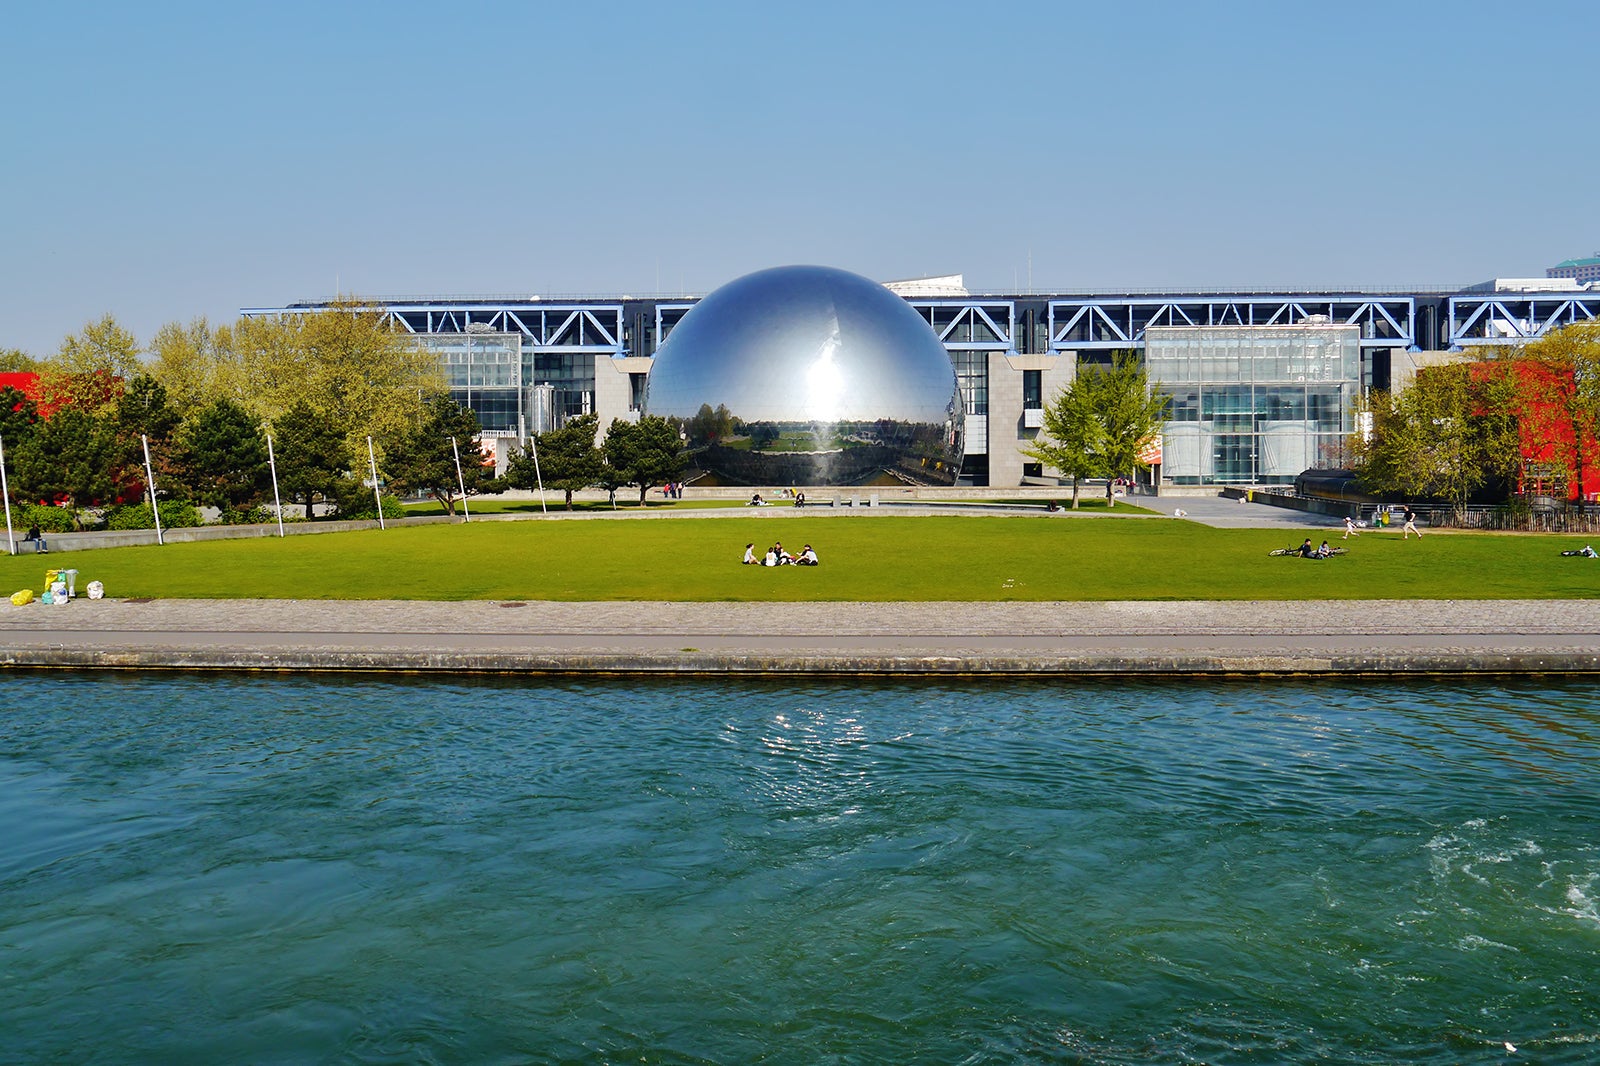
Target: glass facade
(494, 374)
(1254, 405)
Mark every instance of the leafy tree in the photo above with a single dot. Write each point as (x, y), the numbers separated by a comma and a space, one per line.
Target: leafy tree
(568, 459)
(196, 364)
(312, 454)
(644, 453)
(68, 458)
(1073, 438)
(18, 415)
(1558, 402)
(1444, 437)
(1101, 424)
(1131, 412)
(143, 411)
(222, 457)
(90, 368)
(15, 360)
(422, 460)
(346, 362)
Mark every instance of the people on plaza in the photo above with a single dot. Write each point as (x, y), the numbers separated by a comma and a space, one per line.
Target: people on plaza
(799, 499)
(1350, 528)
(1411, 525)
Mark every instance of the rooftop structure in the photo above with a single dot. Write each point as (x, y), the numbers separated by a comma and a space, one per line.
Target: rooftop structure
(1583, 271)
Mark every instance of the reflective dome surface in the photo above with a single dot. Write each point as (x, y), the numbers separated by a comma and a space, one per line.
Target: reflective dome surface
(806, 375)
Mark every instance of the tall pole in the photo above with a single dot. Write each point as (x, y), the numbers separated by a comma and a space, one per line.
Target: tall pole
(150, 479)
(534, 441)
(466, 516)
(5, 493)
(372, 461)
(277, 502)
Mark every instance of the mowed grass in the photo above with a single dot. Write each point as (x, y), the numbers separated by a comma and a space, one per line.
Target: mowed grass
(863, 558)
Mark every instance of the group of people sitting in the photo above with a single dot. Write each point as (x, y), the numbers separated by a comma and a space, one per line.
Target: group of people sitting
(1306, 551)
(776, 556)
(799, 499)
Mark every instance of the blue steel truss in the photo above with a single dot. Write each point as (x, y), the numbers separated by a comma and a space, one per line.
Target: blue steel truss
(971, 323)
(1113, 322)
(1516, 317)
(574, 327)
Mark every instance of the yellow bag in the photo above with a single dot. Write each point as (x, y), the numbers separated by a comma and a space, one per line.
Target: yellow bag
(19, 599)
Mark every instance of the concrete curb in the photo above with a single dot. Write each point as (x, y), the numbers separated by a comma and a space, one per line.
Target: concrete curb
(1120, 665)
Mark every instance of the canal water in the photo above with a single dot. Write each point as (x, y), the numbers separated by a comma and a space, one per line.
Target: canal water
(201, 869)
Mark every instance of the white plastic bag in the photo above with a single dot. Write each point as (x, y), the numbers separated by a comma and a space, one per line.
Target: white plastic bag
(97, 591)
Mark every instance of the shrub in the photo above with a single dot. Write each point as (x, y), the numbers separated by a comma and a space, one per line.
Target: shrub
(175, 514)
(392, 508)
(48, 519)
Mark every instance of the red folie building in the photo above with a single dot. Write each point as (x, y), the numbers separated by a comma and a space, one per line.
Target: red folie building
(1550, 461)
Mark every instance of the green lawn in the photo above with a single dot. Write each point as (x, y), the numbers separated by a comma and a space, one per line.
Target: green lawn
(863, 558)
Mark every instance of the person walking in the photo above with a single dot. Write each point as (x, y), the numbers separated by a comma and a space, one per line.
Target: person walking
(1411, 525)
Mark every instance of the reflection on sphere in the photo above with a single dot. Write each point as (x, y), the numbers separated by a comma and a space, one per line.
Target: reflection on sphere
(808, 375)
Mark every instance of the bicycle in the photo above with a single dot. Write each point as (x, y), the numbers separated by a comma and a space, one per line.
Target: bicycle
(1284, 552)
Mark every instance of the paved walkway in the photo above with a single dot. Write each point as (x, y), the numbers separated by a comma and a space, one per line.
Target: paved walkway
(1120, 638)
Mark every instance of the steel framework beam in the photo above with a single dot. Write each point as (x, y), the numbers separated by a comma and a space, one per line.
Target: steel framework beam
(1102, 323)
(1516, 318)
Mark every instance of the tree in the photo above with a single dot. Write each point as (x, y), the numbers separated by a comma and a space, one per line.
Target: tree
(422, 460)
(568, 459)
(1444, 437)
(1131, 411)
(18, 415)
(347, 362)
(1558, 402)
(644, 453)
(91, 367)
(196, 364)
(1073, 437)
(15, 360)
(222, 457)
(69, 458)
(312, 454)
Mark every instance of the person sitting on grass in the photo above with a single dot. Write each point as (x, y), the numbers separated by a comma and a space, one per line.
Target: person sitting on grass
(771, 558)
(1306, 551)
(808, 557)
(1324, 551)
(750, 554)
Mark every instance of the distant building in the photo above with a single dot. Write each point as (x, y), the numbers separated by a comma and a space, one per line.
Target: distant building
(1256, 400)
(1583, 271)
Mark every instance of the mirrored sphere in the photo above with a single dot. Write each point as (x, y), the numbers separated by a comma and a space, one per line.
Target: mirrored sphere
(806, 375)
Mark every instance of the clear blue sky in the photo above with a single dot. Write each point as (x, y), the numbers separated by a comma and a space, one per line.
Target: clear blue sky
(166, 161)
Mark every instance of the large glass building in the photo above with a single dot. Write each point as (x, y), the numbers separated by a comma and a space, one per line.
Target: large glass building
(1264, 384)
(1254, 405)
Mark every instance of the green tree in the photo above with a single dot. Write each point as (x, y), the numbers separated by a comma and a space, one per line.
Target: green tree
(15, 361)
(347, 362)
(568, 459)
(68, 458)
(644, 453)
(91, 367)
(1131, 411)
(197, 364)
(1442, 438)
(18, 415)
(422, 460)
(222, 458)
(312, 454)
(1072, 441)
